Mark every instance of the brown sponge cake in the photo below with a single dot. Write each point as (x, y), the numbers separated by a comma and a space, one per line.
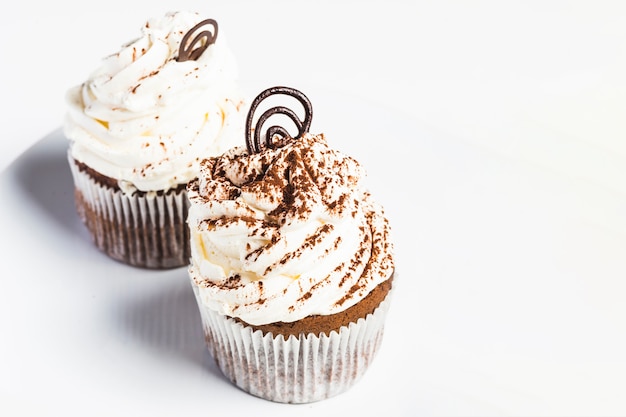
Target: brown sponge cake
(142, 229)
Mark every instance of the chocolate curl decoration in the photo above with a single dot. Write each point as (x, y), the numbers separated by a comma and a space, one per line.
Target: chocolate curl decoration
(187, 51)
(254, 143)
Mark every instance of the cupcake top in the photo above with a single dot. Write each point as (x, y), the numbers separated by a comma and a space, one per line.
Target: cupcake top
(285, 229)
(154, 109)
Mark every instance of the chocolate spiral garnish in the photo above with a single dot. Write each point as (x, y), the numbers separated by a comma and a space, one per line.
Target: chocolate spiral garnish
(201, 42)
(254, 143)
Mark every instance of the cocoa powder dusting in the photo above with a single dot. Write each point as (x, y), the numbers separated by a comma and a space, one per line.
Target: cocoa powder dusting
(293, 181)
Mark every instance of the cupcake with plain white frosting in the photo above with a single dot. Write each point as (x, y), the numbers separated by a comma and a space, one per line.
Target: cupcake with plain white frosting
(138, 128)
(291, 262)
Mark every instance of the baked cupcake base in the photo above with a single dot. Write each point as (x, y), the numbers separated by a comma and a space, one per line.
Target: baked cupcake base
(141, 229)
(301, 368)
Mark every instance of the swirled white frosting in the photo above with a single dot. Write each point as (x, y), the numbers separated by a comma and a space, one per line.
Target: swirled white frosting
(285, 233)
(146, 119)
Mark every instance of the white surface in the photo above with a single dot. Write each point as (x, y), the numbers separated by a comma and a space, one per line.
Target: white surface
(493, 133)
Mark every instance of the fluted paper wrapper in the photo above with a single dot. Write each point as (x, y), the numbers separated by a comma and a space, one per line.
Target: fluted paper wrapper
(297, 370)
(147, 230)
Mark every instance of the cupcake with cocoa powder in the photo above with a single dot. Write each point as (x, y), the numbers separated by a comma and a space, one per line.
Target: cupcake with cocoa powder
(137, 129)
(291, 261)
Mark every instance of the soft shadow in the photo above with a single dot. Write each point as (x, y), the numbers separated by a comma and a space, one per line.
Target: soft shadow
(42, 173)
(168, 321)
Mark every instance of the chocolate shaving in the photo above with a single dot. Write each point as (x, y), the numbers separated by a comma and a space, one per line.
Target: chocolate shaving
(253, 142)
(201, 42)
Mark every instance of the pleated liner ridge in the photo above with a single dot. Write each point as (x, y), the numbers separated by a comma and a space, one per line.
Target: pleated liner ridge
(301, 369)
(141, 229)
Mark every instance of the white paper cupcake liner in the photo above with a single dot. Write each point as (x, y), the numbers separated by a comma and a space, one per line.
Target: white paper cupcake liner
(147, 230)
(297, 370)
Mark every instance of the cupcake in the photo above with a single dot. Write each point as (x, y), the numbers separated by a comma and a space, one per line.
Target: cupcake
(138, 128)
(291, 261)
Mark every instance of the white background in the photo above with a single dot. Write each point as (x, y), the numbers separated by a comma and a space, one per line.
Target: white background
(494, 135)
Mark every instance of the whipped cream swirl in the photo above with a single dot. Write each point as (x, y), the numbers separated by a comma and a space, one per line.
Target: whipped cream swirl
(147, 120)
(285, 233)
